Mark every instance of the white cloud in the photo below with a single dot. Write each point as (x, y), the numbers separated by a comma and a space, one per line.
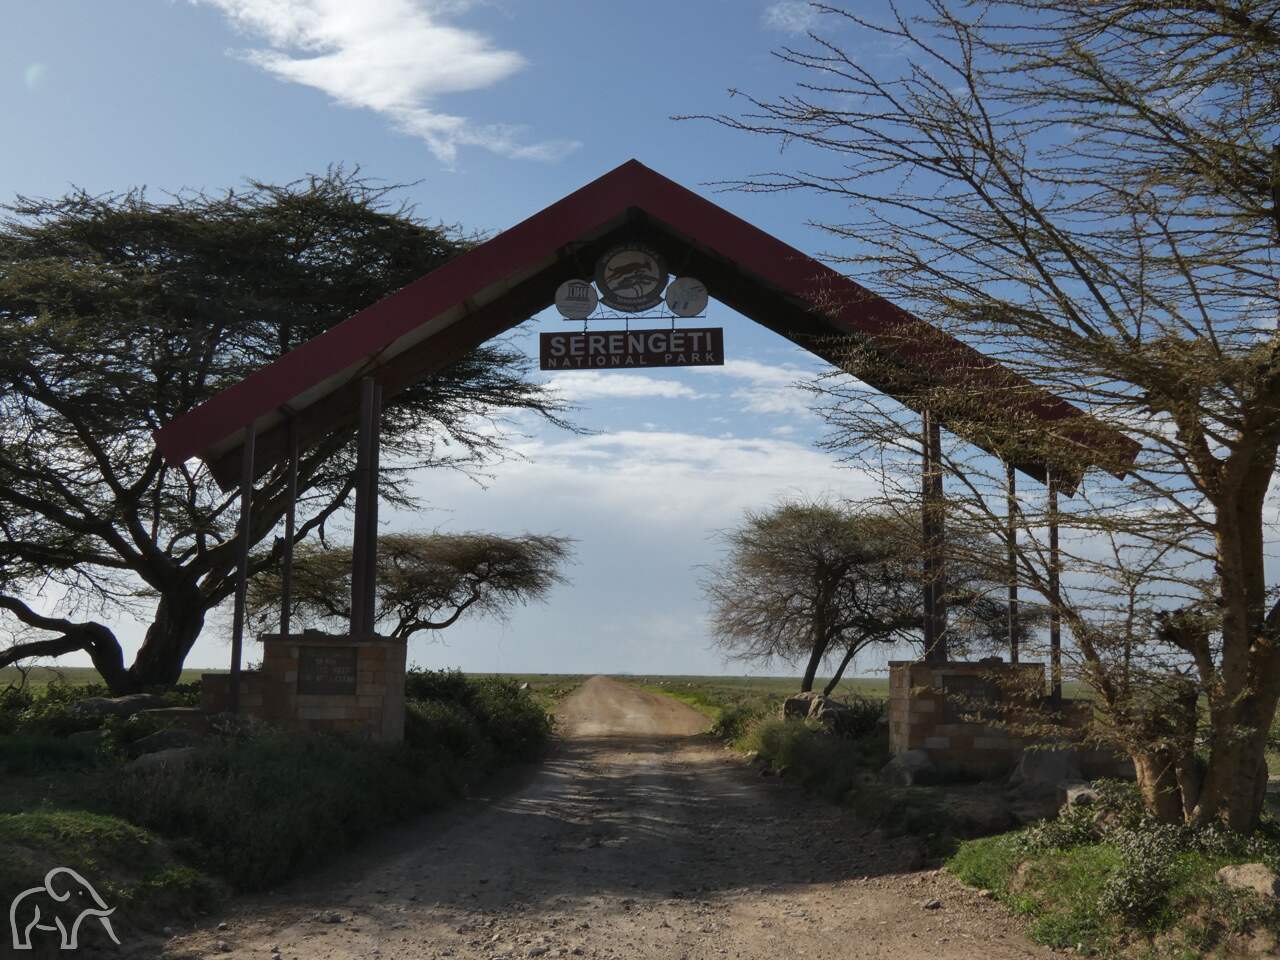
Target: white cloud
(771, 389)
(594, 384)
(644, 508)
(790, 16)
(395, 57)
(653, 480)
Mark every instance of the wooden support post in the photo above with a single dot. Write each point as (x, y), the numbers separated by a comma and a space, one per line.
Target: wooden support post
(371, 516)
(242, 563)
(359, 549)
(933, 518)
(1011, 543)
(1055, 611)
(290, 522)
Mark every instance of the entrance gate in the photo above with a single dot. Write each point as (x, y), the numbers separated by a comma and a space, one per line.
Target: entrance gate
(340, 379)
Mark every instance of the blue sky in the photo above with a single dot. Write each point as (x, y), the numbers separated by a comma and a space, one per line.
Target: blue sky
(493, 110)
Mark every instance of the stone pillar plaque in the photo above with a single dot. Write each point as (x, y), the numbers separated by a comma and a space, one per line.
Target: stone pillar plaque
(326, 670)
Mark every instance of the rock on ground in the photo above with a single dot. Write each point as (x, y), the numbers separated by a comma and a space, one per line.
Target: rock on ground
(101, 707)
(1043, 770)
(1257, 877)
(908, 768)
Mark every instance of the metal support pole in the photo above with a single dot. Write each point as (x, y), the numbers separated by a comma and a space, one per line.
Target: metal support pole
(1011, 538)
(1055, 612)
(371, 516)
(933, 519)
(242, 563)
(290, 521)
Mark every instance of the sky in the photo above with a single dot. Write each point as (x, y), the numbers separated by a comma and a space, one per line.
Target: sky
(489, 110)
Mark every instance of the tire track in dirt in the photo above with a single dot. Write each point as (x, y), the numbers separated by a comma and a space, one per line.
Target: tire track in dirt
(637, 838)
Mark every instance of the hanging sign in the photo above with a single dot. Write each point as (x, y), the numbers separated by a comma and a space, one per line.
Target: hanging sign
(686, 297)
(632, 349)
(631, 278)
(576, 299)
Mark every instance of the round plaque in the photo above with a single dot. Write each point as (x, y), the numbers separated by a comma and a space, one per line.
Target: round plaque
(686, 297)
(631, 278)
(576, 299)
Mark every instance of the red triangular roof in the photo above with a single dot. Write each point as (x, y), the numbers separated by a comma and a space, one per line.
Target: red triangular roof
(500, 283)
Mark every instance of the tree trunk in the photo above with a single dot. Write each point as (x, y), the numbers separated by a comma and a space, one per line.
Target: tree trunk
(178, 621)
(811, 669)
(844, 662)
(1244, 689)
(1158, 783)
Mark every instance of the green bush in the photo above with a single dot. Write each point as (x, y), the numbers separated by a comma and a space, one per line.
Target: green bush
(131, 868)
(13, 701)
(253, 805)
(26, 755)
(1104, 874)
(862, 718)
(512, 720)
(434, 724)
(446, 686)
(308, 797)
(735, 722)
(312, 795)
(51, 712)
(826, 764)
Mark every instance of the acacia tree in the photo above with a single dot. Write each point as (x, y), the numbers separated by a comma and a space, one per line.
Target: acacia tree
(425, 581)
(119, 313)
(1088, 190)
(813, 581)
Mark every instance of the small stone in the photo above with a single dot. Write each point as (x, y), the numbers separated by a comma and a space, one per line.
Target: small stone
(934, 904)
(222, 946)
(986, 894)
(222, 925)
(537, 951)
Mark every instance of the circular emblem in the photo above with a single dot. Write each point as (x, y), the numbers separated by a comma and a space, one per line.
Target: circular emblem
(631, 278)
(686, 297)
(576, 299)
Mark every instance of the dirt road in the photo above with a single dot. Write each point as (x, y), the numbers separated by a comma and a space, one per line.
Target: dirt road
(637, 839)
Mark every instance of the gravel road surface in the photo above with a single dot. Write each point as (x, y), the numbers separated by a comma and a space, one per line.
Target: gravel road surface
(638, 839)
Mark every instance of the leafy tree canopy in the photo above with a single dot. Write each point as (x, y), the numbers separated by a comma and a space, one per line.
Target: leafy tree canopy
(425, 581)
(120, 312)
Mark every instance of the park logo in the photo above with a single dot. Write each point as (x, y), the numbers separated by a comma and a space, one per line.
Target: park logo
(60, 906)
(631, 278)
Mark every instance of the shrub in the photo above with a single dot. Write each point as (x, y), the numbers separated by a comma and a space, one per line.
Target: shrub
(446, 686)
(823, 763)
(1138, 889)
(133, 870)
(26, 755)
(434, 724)
(1073, 827)
(51, 712)
(513, 721)
(862, 718)
(1099, 875)
(734, 722)
(309, 796)
(13, 701)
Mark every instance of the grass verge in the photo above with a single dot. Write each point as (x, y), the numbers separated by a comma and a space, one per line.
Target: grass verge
(1109, 881)
(249, 807)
